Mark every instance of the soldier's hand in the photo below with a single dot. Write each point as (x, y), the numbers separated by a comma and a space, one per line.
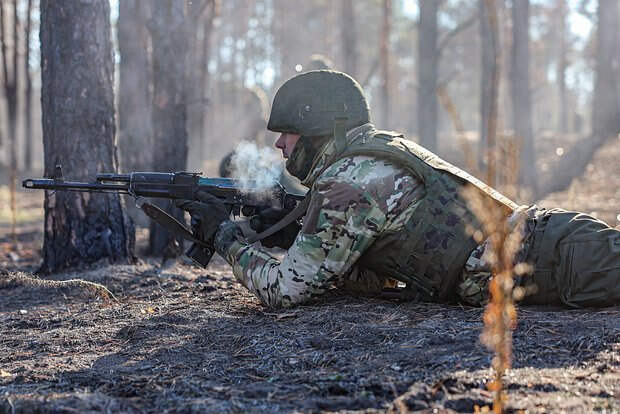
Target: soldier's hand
(206, 213)
(266, 218)
(227, 233)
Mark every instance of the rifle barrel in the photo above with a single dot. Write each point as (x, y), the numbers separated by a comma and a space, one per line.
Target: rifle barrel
(49, 184)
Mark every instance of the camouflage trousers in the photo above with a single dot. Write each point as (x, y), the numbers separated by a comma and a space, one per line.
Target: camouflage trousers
(576, 262)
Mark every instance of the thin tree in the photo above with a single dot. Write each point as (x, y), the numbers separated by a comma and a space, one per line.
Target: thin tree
(605, 105)
(489, 82)
(169, 34)
(348, 36)
(11, 83)
(28, 138)
(134, 135)
(77, 100)
(428, 64)
(384, 50)
(200, 17)
(134, 109)
(520, 88)
(213, 12)
(562, 64)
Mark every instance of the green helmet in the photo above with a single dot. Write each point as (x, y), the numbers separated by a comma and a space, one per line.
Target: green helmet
(308, 104)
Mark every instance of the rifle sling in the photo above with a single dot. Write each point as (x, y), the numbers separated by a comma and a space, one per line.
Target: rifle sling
(171, 224)
(293, 215)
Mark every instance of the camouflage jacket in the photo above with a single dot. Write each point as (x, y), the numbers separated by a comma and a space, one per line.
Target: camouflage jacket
(352, 202)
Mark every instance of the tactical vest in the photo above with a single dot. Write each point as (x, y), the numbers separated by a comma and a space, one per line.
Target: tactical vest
(430, 251)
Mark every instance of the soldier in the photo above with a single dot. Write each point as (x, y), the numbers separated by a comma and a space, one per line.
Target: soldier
(381, 207)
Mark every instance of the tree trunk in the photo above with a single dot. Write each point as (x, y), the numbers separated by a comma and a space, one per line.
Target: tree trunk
(200, 18)
(205, 83)
(134, 113)
(349, 37)
(561, 68)
(605, 106)
(11, 83)
(428, 64)
(489, 82)
(385, 62)
(28, 141)
(78, 132)
(520, 88)
(170, 43)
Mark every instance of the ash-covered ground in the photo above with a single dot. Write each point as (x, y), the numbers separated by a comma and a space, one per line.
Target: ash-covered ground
(183, 339)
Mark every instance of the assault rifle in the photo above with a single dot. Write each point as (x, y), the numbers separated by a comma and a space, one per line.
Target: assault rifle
(244, 197)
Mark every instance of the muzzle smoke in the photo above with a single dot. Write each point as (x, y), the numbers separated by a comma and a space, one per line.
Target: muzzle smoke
(257, 168)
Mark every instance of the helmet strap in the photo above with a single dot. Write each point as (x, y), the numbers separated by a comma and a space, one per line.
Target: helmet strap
(340, 137)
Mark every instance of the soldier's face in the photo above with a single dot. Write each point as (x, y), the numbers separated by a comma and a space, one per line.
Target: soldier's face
(287, 142)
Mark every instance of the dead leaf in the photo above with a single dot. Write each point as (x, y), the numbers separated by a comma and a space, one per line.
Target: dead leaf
(4, 373)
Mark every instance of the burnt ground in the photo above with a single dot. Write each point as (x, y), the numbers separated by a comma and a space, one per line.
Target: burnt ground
(182, 339)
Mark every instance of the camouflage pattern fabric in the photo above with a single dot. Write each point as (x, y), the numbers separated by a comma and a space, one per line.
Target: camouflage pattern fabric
(577, 261)
(474, 287)
(574, 260)
(353, 201)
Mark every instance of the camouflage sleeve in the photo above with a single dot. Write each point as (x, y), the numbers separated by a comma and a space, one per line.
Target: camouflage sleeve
(342, 221)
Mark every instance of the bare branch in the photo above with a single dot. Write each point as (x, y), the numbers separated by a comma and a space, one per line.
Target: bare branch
(452, 33)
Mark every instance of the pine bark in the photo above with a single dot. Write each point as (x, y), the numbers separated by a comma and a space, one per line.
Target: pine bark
(428, 65)
(169, 34)
(78, 132)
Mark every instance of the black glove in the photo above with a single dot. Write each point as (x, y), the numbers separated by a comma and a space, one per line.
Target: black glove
(206, 214)
(228, 232)
(266, 218)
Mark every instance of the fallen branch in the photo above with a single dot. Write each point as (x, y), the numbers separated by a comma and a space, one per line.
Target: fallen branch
(22, 279)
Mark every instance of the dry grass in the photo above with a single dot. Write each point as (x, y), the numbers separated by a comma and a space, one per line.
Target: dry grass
(500, 315)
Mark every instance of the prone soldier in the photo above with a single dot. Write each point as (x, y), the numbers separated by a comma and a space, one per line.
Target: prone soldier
(383, 208)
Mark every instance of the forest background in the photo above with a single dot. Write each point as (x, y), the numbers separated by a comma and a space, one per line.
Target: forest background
(549, 63)
(521, 93)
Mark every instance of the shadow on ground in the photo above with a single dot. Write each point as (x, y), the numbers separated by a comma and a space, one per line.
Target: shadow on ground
(183, 340)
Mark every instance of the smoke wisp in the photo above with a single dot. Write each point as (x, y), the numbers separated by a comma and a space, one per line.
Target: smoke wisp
(257, 168)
